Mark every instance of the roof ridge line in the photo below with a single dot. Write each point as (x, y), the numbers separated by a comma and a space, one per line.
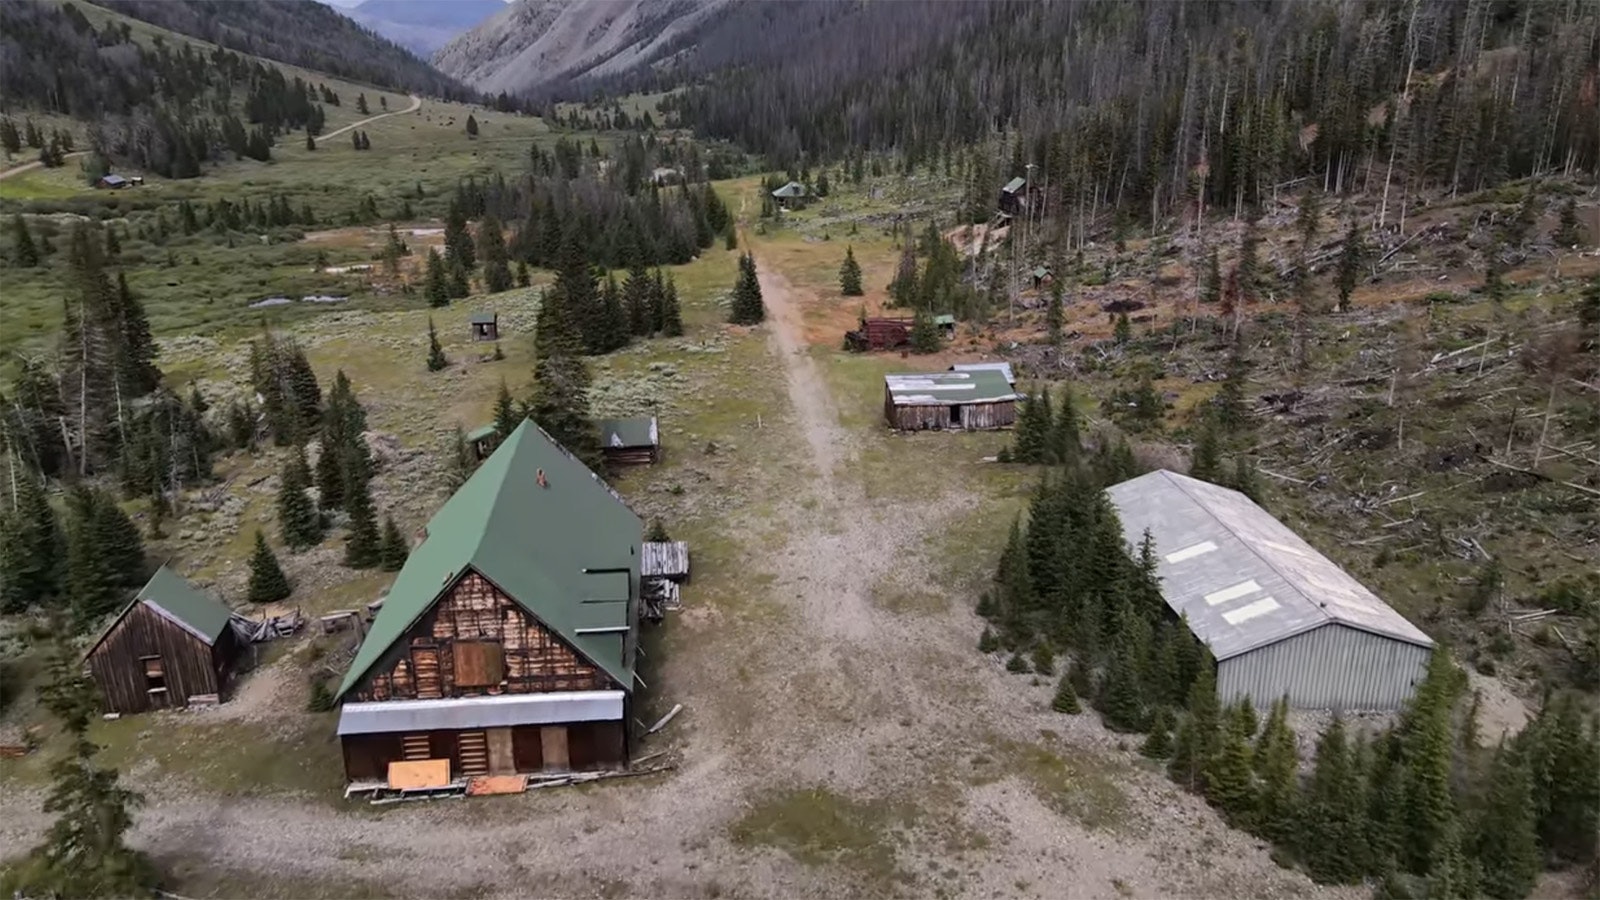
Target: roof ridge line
(1321, 610)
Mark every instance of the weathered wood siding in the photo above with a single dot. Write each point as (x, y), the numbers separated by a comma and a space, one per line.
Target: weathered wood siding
(469, 632)
(951, 417)
(189, 666)
(629, 456)
(587, 745)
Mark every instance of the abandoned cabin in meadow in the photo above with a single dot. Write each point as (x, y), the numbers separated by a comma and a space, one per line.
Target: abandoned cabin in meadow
(954, 401)
(507, 642)
(1279, 617)
(791, 195)
(892, 332)
(482, 440)
(170, 647)
(485, 326)
(630, 442)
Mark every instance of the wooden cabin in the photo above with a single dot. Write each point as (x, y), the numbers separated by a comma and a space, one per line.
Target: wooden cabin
(485, 326)
(508, 640)
(949, 401)
(113, 182)
(791, 195)
(630, 442)
(880, 333)
(172, 646)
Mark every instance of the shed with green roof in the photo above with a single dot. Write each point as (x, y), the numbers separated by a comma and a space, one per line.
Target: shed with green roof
(173, 645)
(508, 640)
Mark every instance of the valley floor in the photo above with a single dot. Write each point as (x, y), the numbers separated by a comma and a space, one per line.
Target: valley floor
(840, 734)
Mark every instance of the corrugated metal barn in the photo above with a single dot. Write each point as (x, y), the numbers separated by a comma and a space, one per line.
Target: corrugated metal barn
(1279, 617)
(949, 400)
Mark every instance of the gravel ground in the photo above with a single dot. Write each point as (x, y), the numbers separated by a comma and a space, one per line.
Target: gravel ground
(894, 713)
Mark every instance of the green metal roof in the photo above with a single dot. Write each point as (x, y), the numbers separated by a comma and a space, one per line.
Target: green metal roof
(636, 432)
(944, 319)
(567, 552)
(185, 604)
(482, 318)
(1013, 185)
(949, 388)
(792, 189)
(482, 432)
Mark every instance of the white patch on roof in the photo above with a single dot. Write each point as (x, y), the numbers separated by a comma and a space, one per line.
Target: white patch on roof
(986, 386)
(1191, 551)
(1234, 592)
(1307, 590)
(1250, 611)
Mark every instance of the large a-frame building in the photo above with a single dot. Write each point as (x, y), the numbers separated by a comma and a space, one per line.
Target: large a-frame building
(507, 642)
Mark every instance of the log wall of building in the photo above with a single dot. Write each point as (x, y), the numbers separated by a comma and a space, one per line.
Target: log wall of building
(533, 659)
(942, 417)
(189, 665)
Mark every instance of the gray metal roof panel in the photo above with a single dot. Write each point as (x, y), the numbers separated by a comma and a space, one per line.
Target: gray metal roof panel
(499, 711)
(1243, 579)
(1003, 368)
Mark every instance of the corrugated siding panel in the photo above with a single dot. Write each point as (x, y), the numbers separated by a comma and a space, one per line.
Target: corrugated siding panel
(1332, 667)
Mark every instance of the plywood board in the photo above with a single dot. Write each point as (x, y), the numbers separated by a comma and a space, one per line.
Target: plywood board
(553, 740)
(422, 773)
(502, 755)
(497, 784)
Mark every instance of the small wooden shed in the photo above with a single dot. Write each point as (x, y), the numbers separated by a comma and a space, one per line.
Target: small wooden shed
(485, 326)
(949, 401)
(483, 440)
(791, 195)
(630, 442)
(172, 646)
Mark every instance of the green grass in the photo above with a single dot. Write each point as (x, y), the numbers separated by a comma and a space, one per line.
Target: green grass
(1084, 787)
(817, 826)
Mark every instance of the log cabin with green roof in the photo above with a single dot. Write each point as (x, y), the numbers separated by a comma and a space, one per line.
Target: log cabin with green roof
(507, 643)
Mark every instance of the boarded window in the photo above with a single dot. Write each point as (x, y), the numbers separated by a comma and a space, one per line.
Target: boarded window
(479, 664)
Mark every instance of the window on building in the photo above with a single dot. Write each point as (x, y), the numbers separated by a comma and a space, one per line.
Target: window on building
(479, 663)
(155, 676)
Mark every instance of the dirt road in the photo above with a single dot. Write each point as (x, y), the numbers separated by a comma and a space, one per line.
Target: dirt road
(416, 104)
(832, 746)
(29, 167)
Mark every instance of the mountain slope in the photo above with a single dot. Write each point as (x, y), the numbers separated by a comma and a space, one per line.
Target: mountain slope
(536, 42)
(299, 32)
(423, 26)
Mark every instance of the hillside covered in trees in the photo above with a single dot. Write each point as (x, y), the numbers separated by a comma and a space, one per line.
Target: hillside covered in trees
(301, 33)
(1157, 107)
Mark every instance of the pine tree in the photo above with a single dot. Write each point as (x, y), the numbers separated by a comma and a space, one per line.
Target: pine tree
(84, 853)
(1206, 463)
(1232, 415)
(1066, 698)
(105, 554)
(472, 126)
(24, 253)
(1211, 288)
(457, 284)
(560, 401)
(615, 322)
(32, 548)
(1122, 333)
(523, 278)
(1333, 835)
(461, 462)
(987, 641)
(361, 104)
(1561, 756)
(506, 415)
(747, 307)
(1505, 842)
(1199, 735)
(1248, 268)
(1276, 763)
(636, 301)
(1567, 233)
(1230, 783)
(1429, 805)
(458, 244)
(436, 357)
(730, 239)
(1054, 314)
(850, 274)
(135, 348)
(299, 523)
(437, 288)
(361, 543)
(1064, 444)
(267, 581)
(1122, 706)
(311, 140)
(671, 314)
(1033, 427)
(1452, 875)
(1159, 744)
(392, 547)
(925, 337)
(1351, 256)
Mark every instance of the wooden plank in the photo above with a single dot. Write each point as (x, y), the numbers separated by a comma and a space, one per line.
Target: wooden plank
(502, 755)
(553, 744)
(485, 785)
(422, 773)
